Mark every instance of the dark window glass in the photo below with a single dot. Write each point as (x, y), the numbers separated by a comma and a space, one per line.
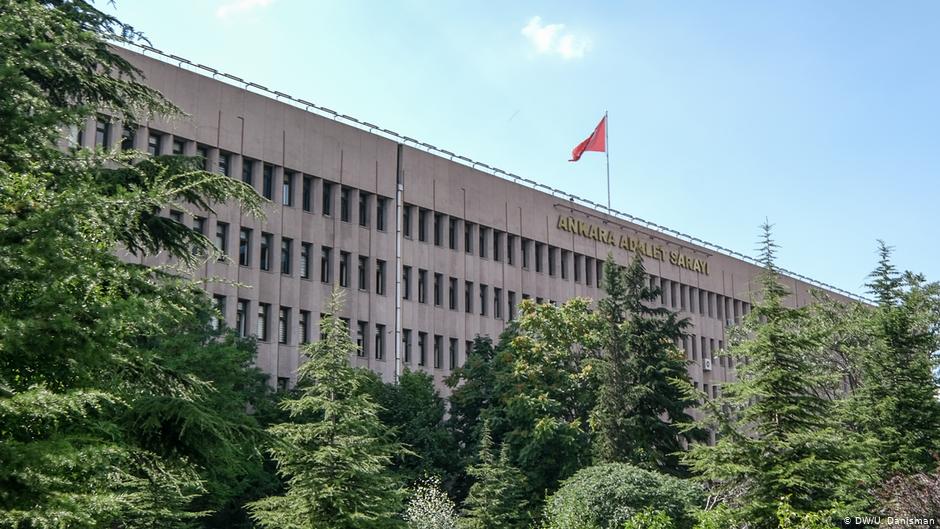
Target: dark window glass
(203, 152)
(380, 277)
(406, 221)
(438, 344)
(265, 259)
(103, 133)
(452, 233)
(438, 229)
(241, 318)
(224, 159)
(364, 209)
(452, 293)
(221, 236)
(452, 354)
(283, 326)
(468, 237)
(422, 225)
(438, 295)
(363, 272)
(406, 345)
(248, 166)
(326, 265)
(244, 247)
(154, 142)
(406, 282)
(379, 341)
(286, 250)
(262, 329)
(305, 249)
(287, 189)
(307, 191)
(327, 199)
(344, 193)
(127, 136)
(380, 212)
(179, 146)
(422, 286)
(267, 181)
(422, 348)
(344, 269)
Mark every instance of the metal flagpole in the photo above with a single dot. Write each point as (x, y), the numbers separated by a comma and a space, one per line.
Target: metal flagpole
(607, 153)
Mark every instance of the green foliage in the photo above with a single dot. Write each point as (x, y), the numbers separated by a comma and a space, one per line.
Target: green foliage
(896, 403)
(430, 508)
(333, 453)
(414, 412)
(649, 519)
(95, 416)
(641, 416)
(606, 496)
(788, 518)
(497, 498)
(779, 436)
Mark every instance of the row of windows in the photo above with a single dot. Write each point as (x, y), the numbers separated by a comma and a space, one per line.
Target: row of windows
(376, 346)
(700, 301)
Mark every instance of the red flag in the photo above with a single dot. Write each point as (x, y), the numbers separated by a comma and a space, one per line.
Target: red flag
(597, 141)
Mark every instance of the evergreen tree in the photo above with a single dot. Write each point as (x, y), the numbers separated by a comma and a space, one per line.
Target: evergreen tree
(896, 402)
(82, 332)
(640, 416)
(497, 499)
(333, 453)
(778, 437)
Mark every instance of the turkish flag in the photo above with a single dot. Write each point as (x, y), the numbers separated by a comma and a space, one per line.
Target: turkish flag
(597, 141)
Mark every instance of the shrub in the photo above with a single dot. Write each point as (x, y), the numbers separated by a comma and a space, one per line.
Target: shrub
(606, 496)
(430, 508)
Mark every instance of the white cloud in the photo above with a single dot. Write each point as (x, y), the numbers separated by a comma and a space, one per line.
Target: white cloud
(552, 39)
(239, 6)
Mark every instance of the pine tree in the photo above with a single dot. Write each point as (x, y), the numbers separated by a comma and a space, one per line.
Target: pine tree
(333, 453)
(640, 416)
(778, 438)
(897, 402)
(497, 499)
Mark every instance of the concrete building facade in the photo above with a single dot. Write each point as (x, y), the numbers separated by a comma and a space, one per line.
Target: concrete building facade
(429, 250)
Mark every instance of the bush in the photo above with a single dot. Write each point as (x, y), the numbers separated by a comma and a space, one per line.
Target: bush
(649, 519)
(606, 496)
(430, 508)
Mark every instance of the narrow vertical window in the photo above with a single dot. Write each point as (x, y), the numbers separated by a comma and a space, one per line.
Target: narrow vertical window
(154, 143)
(363, 273)
(218, 319)
(247, 175)
(438, 295)
(380, 277)
(286, 251)
(406, 345)
(344, 193)
(221, 237)
(452, 354)
(267, 181)
(244, 247)
(379, 341)
(512, 305)
(422, 348)
(564, 264)
(283, 326)
(511, 249)
(344, 269)
(241, 318)
(422, 286)
(179, 146)
(307, 194)
(364, 209)
(326, 265)
(406, 282)
(223, 166)
(264, 260)
(526, 246)
(423, 225)
(498, 303)
(287, 189)
(438, 345)
(303, 327)
(327, 199)
(452, 233)
(452, 293)
(468, 237)
(381, 207)
(361, 334)
(128, 135)
(305, 249)
(406, 220)
(484, 232)
(262, 329)
(538, 256)
(497, 245)
(202, 152)
(483, 295)
(468, 297)
(103, 133)
(438, 229)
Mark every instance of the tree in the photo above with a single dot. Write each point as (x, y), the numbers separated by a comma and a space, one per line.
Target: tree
(333, 453)
(641, 412)
(430, 508)
(608, 495)
(778, 437)
(78, 326)
(497, 499)
(896, 402)
(414, 412)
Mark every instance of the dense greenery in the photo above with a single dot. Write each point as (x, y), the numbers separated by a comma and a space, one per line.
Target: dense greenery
(123, 405)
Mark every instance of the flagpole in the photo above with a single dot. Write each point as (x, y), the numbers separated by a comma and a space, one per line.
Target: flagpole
(607, 153)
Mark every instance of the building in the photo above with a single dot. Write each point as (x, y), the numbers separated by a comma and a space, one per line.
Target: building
(431, 248)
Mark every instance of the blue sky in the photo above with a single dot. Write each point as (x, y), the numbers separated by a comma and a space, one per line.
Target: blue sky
(820, 116)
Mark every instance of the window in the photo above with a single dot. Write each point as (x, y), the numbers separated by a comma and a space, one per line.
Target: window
(511, 249)
(512, 305)
(199, 225)
(380, 277)
(361, 333)
(497, 303)
(128, 135)
(552, 256)
(526, 246)
(452, 293)
(422, 225)
(267, 182)
(406, 220)
(364, 209)
(178, 146)
(203, 153)
(344, 203)
(406, 345)
(599, 265)
(283, 326)
(577, 268)
(247, 175)
(326, 264)
(221, 236)
(223, 165)
(286, 250)
(564, 264)
(588, 270)
(438, 344)
(363, 274)
(381, 207)
(468, 237)
(103, 133)
(218, 319)
(262, 330)
(483, 295)
(438, 229)
(265, 259)
(452, 233)
(241, 318)
(305, 249)
(287, 189)
(306, 199)
(422, 286)
(177, 216)
(244, 246)
(483, 236)
(468, 297)
(344, 269)
(379, 341)
(538, 256)
(422, 348)
(452, 354)
(497, 245)
(406, 282)
(438, 295)
(303, 327)
(327, 199)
